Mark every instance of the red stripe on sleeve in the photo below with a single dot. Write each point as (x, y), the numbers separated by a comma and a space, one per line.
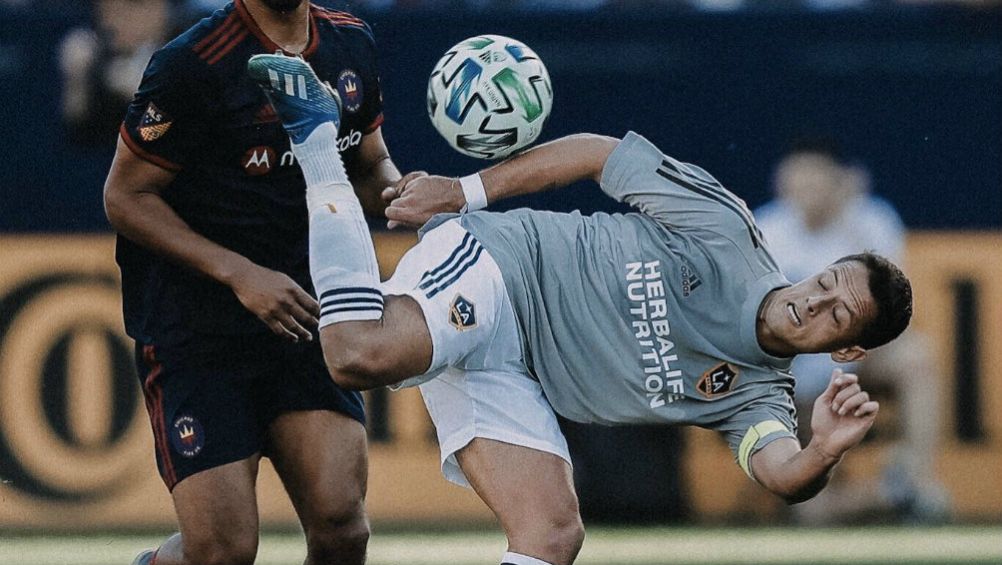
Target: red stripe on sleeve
(146, 155)
(376, 123)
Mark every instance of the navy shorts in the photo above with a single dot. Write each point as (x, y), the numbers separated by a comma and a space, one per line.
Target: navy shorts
(212, 399)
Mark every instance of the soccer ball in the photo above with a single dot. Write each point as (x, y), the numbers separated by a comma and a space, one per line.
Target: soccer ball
(489, 96)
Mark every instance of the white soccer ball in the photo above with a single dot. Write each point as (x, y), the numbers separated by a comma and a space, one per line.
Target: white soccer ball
(489, 96)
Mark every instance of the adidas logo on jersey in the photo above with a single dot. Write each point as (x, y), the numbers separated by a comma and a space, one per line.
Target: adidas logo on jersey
(690, 280)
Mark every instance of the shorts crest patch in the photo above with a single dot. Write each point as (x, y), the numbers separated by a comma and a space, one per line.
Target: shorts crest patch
(718, 381)
(462, 313)
(154, 123)
(187, 436)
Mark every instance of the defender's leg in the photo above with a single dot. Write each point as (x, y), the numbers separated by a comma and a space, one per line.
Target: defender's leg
(217, 513)
(321, 458)
(208, 446)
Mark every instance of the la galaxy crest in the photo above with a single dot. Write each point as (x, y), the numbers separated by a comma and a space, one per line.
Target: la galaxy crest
(718, 381)
(462, 313)
(154, 123)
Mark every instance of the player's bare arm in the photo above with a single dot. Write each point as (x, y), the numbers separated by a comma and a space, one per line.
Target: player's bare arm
(551, 165)
(133, 203)
(841, 417)
(373, 172)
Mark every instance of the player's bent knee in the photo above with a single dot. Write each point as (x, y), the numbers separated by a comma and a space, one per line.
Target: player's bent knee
(568, 537)
(338, 534)
(367, 354)
(349, 380)
(338, 539)
(558, 542)
(354, 362)
(557, 536)
(356, 376)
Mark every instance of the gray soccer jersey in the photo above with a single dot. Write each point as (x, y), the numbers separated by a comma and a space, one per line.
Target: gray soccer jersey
(648, 317)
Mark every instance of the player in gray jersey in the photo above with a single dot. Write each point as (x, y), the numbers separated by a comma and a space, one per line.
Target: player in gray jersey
(677, 314)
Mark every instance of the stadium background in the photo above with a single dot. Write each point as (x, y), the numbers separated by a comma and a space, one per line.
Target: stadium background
(914, 91)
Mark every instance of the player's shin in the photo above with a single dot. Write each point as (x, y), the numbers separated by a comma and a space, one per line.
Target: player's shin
(342, 258)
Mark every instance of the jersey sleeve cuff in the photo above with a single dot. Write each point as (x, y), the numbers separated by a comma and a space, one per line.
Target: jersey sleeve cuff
(146, 155)
(616, 172)
(757, 437)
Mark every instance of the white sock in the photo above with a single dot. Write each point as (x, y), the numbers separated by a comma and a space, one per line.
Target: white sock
(319, 158)
(519, 559)
(342, 258)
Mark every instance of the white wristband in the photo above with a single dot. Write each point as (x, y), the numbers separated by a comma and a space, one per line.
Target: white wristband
(473, 190)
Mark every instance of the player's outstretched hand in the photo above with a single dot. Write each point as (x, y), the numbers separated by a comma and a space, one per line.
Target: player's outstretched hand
(842, 414)
(277, 301)
(419, 196)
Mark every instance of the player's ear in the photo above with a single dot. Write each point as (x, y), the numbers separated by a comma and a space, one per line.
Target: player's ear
(849, 354)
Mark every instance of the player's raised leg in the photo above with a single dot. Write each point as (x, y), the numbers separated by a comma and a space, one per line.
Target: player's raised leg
(321, 458)
(369, 340)
(532, 494)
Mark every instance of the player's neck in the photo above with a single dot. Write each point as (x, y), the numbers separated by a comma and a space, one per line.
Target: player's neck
(289, 30)
(768, 340)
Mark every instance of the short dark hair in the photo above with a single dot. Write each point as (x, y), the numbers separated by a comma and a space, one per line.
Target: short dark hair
(892, 294)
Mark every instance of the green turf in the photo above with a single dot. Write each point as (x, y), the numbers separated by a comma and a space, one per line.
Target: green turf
(604, 546)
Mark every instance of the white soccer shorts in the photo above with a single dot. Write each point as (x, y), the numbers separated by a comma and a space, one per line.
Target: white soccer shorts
(477, 385)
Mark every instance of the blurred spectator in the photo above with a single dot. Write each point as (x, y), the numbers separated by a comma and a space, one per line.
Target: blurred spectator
(824, 210)
(102, 66)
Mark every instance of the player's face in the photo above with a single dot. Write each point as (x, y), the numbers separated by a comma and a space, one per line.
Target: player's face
(282, 5)
(823, 313)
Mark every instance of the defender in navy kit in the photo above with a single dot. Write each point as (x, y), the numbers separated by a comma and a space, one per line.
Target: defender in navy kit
(208, 200)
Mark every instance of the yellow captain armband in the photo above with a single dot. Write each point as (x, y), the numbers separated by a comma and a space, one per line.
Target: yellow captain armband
(755, 433)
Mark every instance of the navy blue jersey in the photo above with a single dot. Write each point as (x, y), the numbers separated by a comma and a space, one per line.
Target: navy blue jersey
(238, 184)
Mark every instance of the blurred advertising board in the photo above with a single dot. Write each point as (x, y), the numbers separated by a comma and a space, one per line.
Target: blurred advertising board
(76, 450)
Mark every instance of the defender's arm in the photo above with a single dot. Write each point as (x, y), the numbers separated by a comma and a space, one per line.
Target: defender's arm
(374, 172)
(135, 208)
(544, 167)
(842, 416)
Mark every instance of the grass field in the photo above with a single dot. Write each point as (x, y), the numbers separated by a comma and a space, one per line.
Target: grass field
(604, 546)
